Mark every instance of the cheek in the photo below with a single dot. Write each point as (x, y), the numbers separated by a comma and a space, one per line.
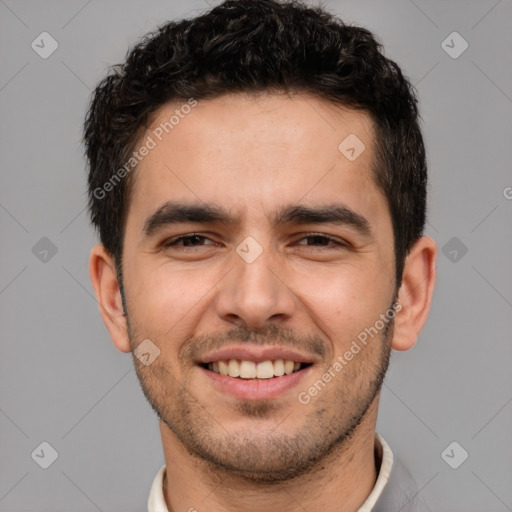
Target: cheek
(344, 300)
(163, 301)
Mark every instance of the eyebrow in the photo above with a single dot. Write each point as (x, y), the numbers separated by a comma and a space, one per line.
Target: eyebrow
(171, 213)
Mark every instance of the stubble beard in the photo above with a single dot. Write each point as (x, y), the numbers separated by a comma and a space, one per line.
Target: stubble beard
(266, 456)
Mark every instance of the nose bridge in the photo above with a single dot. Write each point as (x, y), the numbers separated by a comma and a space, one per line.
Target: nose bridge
(256, 276)
(255, 292)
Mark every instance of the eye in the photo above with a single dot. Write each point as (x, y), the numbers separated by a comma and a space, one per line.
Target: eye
(186, 241)
(322, 241)
(194, 240)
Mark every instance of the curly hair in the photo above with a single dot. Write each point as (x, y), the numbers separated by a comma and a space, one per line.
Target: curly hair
(255, 46)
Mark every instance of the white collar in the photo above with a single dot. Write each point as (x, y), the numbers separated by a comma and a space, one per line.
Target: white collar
(156, 501)
(382, 479)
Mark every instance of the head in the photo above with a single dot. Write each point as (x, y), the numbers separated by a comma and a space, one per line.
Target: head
(259, 126)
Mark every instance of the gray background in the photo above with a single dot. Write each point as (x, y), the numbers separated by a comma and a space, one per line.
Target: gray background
(61, 379)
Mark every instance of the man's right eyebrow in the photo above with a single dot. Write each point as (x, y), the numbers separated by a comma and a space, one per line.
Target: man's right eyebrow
(175, 213)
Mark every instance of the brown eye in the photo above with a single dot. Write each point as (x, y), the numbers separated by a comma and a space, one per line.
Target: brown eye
(321, 241)
(186, 241)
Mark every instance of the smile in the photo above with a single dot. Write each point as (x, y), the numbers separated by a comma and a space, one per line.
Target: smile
(246, 369)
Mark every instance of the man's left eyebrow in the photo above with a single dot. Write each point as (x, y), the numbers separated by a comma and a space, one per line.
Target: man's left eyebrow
(295, 214)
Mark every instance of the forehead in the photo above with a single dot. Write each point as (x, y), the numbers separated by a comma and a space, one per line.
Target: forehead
(251, 153)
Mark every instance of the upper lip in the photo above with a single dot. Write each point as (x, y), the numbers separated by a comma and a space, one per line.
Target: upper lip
(256, 354)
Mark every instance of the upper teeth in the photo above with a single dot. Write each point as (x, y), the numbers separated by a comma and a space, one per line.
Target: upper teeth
(251, 370)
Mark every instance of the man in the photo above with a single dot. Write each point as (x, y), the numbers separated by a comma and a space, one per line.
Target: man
(258, 181)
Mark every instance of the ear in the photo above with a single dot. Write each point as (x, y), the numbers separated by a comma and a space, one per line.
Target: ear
(106, 287)
(415, 293)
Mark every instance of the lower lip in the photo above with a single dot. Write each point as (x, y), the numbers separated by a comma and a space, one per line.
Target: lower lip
(264, 389)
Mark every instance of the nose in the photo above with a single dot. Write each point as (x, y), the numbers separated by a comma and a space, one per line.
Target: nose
(255, 294)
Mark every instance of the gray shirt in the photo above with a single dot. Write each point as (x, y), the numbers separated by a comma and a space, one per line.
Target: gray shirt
(400, 493)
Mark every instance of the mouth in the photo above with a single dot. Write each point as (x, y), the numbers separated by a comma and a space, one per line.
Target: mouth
(256, 373)
(244, 369)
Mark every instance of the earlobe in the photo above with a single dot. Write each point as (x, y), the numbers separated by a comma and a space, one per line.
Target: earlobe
(415, 293)
(108, 295)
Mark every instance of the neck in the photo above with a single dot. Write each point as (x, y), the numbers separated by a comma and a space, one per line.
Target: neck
(339, 483)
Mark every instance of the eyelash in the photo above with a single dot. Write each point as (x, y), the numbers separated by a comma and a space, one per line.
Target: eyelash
(174, 241)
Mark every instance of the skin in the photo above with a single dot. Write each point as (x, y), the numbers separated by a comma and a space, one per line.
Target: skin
(253, 154)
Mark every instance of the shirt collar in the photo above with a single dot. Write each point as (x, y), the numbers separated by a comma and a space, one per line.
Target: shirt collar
(385, 455)
(156, 501)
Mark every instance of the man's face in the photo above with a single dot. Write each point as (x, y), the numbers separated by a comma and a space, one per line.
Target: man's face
(263, 286)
